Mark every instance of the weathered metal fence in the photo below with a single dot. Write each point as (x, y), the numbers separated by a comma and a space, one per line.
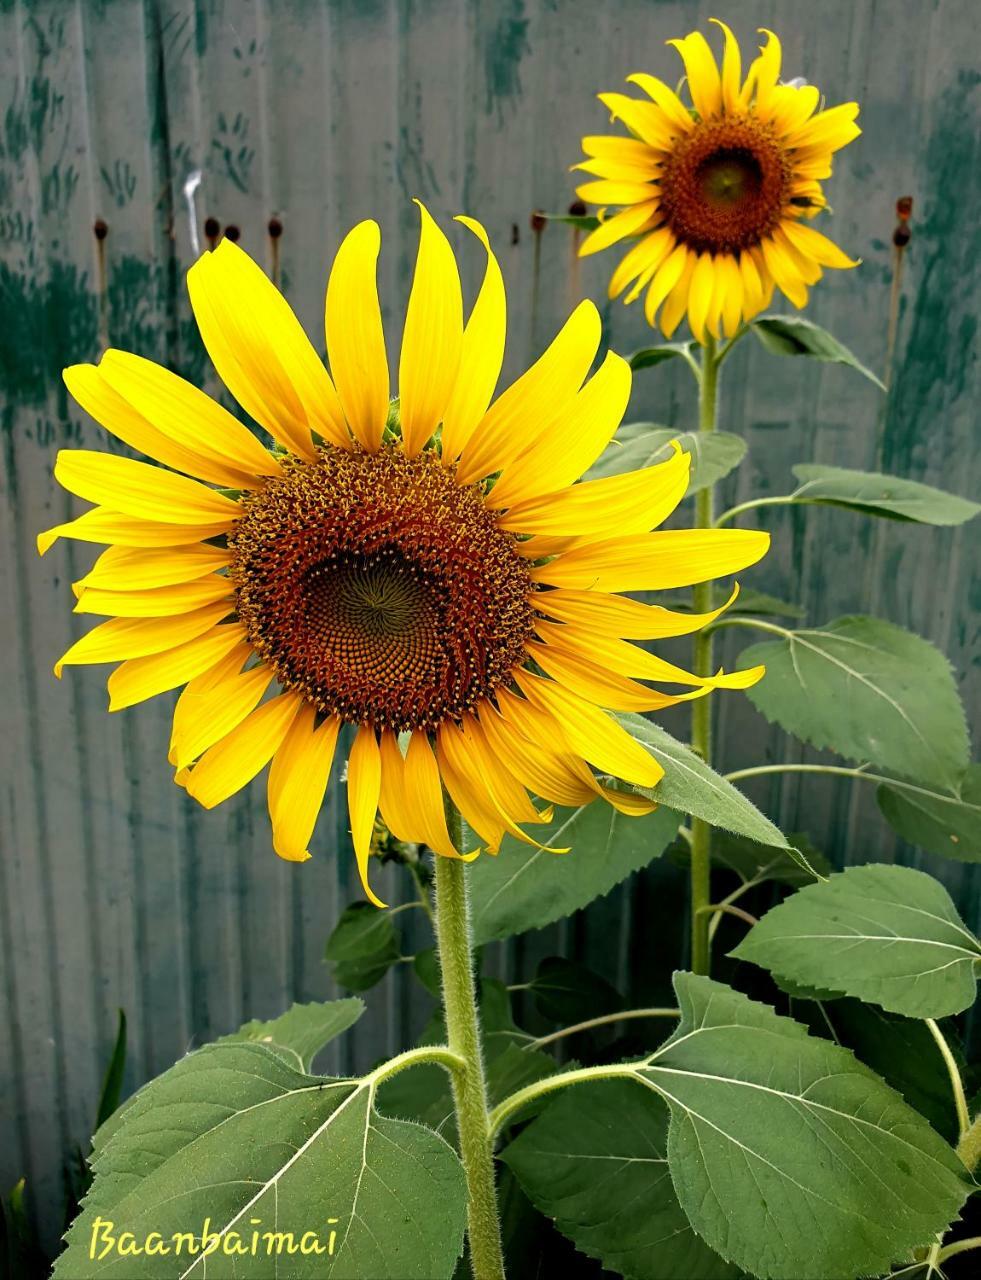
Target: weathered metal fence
(302, 116)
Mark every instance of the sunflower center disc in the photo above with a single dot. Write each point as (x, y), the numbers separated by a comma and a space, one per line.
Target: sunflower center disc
(380, 589)
(725, 185)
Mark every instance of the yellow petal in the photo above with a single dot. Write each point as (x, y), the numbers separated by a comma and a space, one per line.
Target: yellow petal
(814, 245)
(805, 266)
(791, 107)
(704, 84)
(535, 766)
(619, 616)
(631, 503)
(243, 753)
(139, 568)
(616, 147)
(298, 781)
(731, 284)
(121, 638)
(655, 561)
(628, 802)
(629, 222)
(753, 292)
(214, 703)
(665, 279)
(355, 337)
(616, 169)
(184, 414)
(538, 398)
(573, 441)
(398, 813)
(656, 249)
(650, 123)
(731, 69)
(700, 294)
(674, 109)
(676, 303)
(765, 72)
(140, 678)
(592, 733)
(831, 129)
(260, 351)
(481, 355)
(102, 401)
(625, 659)
(467, 794)
(604, 192)
(432, 338)
(102, 525)
(139, 489)
(576, 672)
(363, 790)
(425, 795)
(157, 602)
(784, 272)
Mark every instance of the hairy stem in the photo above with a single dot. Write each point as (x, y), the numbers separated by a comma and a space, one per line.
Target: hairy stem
(463, 1034)
(702, 665)
(503, 1112)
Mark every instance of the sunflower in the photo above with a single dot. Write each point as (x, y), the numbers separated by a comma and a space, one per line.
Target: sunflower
(716, 195)
(424, 569)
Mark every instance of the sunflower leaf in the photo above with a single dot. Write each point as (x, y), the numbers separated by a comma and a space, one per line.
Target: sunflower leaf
(772, 1137)
(526, 888)
(690, 786)
(868, 690)
(879, 495)
(644, 444)
(888, 935)
(248, 1136)
(795, 336)
(648, 356)
(303, 1030)
(596, 1162)
(362, 947)
(948, 824)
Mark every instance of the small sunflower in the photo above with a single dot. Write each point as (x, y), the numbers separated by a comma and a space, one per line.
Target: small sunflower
(424, 570)
(716, 195)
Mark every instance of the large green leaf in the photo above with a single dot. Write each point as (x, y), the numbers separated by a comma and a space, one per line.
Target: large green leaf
(901, 1050)
(880, 495)
(363, 946)
(526, 888)
(234, 1133)
(869, 691)
(690, 786)
(596, 1162)
(800, 863)
(788, 1156)
(644, 444)
(303, 1030)
(885, 934)
(948, 824)
(795, 336)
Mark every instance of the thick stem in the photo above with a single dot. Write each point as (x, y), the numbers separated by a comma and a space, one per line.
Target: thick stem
(702, 665)
(463, 1036)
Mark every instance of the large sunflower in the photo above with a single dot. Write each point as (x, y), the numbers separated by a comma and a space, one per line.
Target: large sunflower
(424, 570)
(717, 193)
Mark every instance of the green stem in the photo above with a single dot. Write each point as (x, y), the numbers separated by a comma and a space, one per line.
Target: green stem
(503, 1112)
(702, 665)
(838, 771)
(959, 1246)
(956, 1083)
(438, 1053)
(726, 908)
(463, 1033)
(603, 1021)
(969, 1147)
(751, 506)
